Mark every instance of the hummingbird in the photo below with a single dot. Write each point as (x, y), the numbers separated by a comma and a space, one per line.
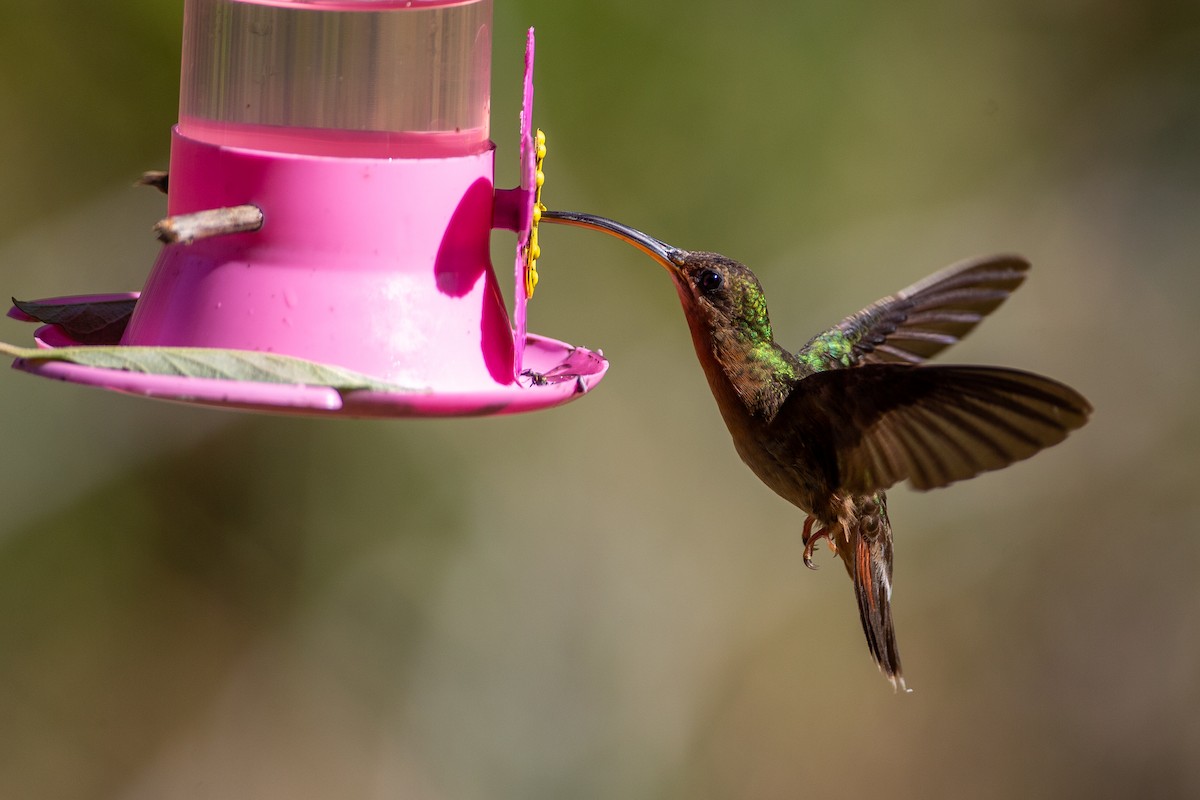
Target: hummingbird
(833, 425)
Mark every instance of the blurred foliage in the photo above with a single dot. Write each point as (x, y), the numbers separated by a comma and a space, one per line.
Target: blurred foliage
(600, 601)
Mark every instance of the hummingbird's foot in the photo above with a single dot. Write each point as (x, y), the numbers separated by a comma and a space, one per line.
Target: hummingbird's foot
(810, 540)
(809, 521)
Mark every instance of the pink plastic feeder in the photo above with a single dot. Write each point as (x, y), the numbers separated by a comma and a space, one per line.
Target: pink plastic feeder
(359, 128)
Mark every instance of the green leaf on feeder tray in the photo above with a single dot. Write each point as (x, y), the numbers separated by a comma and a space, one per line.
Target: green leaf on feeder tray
(89, 322)
(206, 362)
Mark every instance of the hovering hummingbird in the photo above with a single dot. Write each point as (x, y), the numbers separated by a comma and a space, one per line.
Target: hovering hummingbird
(854, 411)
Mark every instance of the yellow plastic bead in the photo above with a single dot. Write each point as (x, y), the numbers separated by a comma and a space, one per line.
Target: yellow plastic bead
(534, 251)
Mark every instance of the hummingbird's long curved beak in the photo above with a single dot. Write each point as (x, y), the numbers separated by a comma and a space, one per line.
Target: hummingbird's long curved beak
(670, 257)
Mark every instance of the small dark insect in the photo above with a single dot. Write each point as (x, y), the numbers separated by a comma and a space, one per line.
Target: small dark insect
(577, 366)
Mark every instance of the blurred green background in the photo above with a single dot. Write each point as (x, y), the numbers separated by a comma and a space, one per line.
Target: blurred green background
(600, 601)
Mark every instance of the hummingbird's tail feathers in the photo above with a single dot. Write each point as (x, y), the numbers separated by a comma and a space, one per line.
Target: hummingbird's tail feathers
(919, 322)
(869, 562)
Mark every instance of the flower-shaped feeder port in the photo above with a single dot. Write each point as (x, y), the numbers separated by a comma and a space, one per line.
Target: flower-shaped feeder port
(331, 200)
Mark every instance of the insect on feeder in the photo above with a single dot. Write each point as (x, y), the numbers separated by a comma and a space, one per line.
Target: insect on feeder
(331, 202)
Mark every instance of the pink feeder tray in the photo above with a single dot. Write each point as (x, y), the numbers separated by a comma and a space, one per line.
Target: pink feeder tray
(375, 186)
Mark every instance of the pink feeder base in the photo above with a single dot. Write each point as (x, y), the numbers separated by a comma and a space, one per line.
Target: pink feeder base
(560, 373)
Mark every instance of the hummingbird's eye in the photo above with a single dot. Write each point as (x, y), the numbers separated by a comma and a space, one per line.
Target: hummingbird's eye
(709, 281)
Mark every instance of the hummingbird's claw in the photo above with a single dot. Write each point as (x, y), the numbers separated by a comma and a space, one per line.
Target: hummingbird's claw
(810, 540)
(808, 548)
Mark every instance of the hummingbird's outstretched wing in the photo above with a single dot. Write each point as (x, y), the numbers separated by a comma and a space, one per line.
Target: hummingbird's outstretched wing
(918, 322)
(874, 426)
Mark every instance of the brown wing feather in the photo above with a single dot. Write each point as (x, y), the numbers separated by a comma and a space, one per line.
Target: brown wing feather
(880, 424)
(919, 322)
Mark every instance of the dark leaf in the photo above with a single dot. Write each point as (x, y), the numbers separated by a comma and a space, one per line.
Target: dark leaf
(96, 322)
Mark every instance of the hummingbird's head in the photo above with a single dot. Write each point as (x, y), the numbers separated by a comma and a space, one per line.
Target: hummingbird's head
(720, 292)
(717, 293)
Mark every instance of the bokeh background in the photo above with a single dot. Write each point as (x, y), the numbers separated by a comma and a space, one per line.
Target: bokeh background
(600, 601)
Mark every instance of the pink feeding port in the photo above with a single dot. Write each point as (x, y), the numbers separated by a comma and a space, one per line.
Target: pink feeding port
(360, 129)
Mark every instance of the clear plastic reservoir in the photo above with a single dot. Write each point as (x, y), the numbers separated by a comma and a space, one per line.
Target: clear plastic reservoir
(370, 78)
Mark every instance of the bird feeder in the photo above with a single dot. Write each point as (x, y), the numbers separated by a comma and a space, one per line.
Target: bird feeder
(331, 202)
